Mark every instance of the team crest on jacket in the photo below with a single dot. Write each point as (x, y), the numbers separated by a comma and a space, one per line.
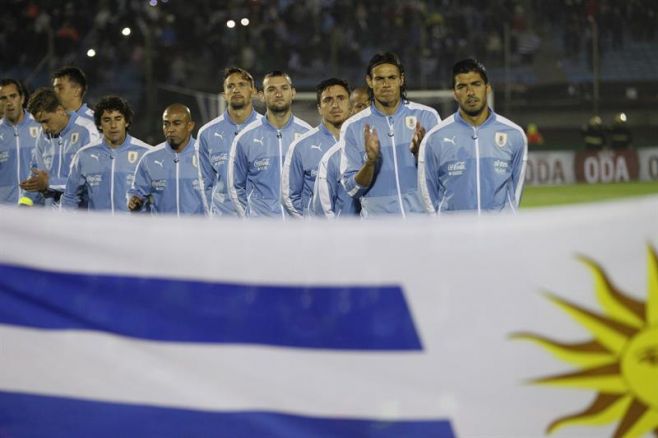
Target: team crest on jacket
(298, 135)
(410, 122)
(501, 139)
(194, 161)
(132, 156)
(74, 137)
(34, 131)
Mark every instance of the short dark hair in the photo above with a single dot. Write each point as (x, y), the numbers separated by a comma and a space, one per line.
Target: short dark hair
(469, 65)
(319, 89)
(43, 100)
(19, 86)
(387, 58)
(113, 103)
(278, 73)
(74, 74)
(228, 71)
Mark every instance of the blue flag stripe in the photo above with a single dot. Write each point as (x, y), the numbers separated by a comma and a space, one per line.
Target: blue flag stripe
(25, 415)
(343, 318)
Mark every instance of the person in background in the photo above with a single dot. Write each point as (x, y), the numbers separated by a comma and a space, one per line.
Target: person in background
(301, 164)
(620, 135)
(70, 85)
(103, 172)
(474, 160)
(18, 136)
(168, 177)
(215, 137)
(383, 176)
(257, 153)
(62, 135)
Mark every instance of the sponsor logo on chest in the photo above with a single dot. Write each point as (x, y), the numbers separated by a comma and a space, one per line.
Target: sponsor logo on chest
(262, 164)
(94, 180)
(457, 168)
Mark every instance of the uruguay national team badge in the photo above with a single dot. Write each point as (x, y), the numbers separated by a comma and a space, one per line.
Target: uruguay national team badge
(410, 122)
(501, 139)
(74, 137)
(132, 156)
(194, 161)
(34, 131)
(298, 135)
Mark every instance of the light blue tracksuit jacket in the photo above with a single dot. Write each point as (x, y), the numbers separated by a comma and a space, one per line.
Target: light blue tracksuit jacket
(55, 154)
(214, 142)
(17, 144)
(300, 169)
(171, 181)
(103, 175)
(256, 163)
(329, 196)
(463, 167)
(394, 189)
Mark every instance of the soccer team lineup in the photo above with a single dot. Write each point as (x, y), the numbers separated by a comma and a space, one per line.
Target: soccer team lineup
(374, 152)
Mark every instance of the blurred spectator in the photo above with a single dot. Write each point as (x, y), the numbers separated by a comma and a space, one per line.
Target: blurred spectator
(620, 135)
(534, 136)
(594, 134)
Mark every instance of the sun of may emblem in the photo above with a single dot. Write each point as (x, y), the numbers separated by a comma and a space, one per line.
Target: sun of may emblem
(620, 363)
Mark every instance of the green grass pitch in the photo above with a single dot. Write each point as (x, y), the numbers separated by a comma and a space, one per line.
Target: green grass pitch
(542, 196)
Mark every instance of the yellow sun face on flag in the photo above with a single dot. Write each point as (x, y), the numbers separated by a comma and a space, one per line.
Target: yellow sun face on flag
(620, 362)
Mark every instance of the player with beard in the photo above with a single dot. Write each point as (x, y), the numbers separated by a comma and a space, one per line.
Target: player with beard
(215, 137)
(383, 175)
(169, 175)
(474, 160)
(301, 165)
(18, 136)
(257, 153)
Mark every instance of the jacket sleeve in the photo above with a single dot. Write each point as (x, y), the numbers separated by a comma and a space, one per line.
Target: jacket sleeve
(351, 161)
(142, 182)
(75, 185)
(428, 174)
(518, 169)
(292, 181)
(208, 173)
(238, 168)
(324, 192)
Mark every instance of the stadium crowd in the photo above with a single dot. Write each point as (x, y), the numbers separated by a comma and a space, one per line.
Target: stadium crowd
(305, 38)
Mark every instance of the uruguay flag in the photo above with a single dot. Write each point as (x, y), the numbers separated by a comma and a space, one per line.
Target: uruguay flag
(112, 326)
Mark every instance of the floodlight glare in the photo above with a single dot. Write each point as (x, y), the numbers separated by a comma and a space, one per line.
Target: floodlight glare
(244, 22)
(91, 53)
(153, 2)
(126, 31)
(230, 24)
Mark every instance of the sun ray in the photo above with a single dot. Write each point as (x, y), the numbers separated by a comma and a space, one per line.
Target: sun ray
(605, 409)
(647, 423)
(652, 299)
(632, 420)
(612, 334)
(624, 308)
(584, 354)
(605, 379)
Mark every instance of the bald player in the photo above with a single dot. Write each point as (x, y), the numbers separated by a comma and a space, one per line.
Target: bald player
(359, 99)
(168, 178)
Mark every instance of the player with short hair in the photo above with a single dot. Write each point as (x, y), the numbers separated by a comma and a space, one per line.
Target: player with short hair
(257, 153)
(18, 136)
(215, 137)
(168, 177)
(474, 160)
(330, 199)
(301, 164)
(62, 135)
(383, 175)
(102, 173)
(70, 85)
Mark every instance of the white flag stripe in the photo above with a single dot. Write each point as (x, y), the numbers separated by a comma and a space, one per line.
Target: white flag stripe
(98, 366)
